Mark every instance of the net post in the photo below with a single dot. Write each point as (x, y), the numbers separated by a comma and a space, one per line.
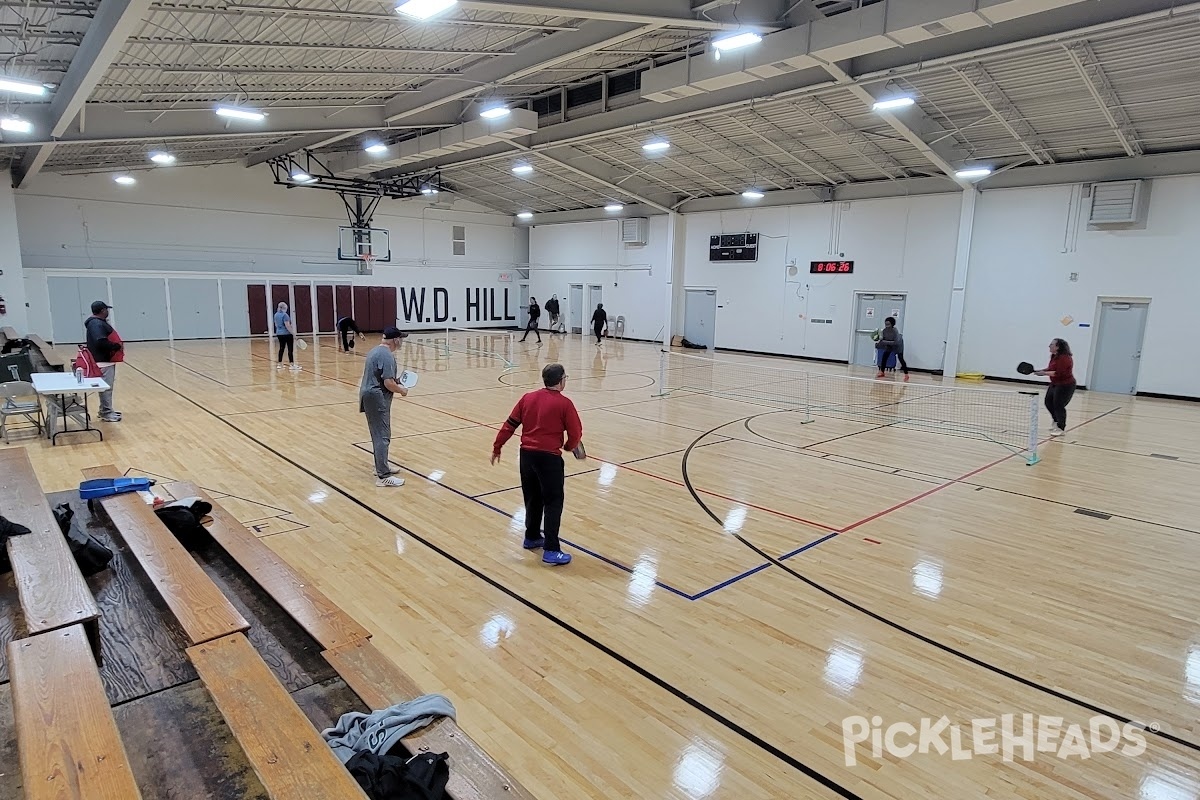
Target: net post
(1032, 456)
(447, 341)
(808, 417)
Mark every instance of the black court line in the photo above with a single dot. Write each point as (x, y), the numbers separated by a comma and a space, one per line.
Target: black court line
(919, 636)
(289, 408)
(1160, 456)
(625, 661)
(206, 377)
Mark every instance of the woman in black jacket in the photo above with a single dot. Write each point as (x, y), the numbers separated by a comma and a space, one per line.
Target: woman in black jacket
(599, 321)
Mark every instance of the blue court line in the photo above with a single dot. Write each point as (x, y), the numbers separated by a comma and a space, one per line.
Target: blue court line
(761, 567)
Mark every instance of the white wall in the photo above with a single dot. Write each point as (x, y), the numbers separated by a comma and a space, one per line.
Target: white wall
(1026, 244)
(12, 283)
(234, 221)
(634, 278)
(898, 245)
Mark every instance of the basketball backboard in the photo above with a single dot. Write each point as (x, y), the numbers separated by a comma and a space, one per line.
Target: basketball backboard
(354, 243)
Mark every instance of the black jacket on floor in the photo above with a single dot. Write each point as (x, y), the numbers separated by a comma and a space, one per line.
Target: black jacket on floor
(389, 777)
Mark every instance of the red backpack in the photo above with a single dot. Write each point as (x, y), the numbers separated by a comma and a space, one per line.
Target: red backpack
(86, 361)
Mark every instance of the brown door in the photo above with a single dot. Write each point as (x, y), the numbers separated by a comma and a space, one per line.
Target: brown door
(375, 298)
(389, 306)
(362, 309)
(256, 300)
(302, 313)
(325, 315)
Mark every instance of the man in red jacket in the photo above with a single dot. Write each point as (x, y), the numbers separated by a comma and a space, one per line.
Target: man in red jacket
(549, 425)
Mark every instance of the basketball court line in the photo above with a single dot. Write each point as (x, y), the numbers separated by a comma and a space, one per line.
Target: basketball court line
(1147, 728)
(1159, 456)
(516, 596)
(284, 410)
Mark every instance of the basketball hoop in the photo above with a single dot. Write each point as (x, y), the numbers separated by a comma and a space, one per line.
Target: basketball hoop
(368, 262)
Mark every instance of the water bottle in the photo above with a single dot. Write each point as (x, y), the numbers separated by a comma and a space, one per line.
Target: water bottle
(79, 374)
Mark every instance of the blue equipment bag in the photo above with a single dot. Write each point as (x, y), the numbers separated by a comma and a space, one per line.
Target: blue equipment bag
(107, 487)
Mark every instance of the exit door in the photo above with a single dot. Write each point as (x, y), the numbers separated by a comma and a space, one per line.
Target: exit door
(575, 308)
(595, 296)
(700, 317)
(523, 314)
(1119, 347)
(870, 312)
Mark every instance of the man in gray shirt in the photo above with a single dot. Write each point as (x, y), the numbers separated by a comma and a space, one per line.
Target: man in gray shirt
(375, 394)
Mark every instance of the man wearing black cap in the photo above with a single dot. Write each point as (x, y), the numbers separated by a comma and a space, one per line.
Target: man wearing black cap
(375, 393)
(105, 346)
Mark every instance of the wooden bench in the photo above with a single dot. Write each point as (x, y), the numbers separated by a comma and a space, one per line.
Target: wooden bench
(52, 590)
(199, 606)
(305, 603)
(288, 754)
(474, 775)
(54, 359)
(10, 334)
(67, 739)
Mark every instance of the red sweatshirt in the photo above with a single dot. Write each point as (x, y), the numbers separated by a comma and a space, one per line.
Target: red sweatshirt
(545, 416)
(1064, 370)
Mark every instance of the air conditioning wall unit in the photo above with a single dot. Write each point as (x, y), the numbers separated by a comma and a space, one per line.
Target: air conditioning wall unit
(1118, 205)
(635, 230)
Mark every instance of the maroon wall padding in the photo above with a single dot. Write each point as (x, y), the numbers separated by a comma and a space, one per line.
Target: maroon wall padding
(256, 300)
(376, 317)
(343, 303)
(325, 315)
(389, 306)
(362, 310)
(302, 312)
(280, 293)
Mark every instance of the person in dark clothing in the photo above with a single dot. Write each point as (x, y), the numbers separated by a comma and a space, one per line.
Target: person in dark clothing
(345, 326)
(1061, 372)
(890, 341)
(549, 424)
(599, 321)
(535, 313)
(105, 346)
(552, 308)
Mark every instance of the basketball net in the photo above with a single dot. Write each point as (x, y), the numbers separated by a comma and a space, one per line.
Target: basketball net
(368, 262)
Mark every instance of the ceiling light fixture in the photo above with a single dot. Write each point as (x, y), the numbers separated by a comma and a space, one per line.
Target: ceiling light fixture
(22, 87)
(753, 194)
(16, 125)
(736, 41)
(299, 176)
(522, 169)
(240, 113)
(656, 146)
(495, 112)
(892, 103)
(162, 158)
(428, 190)
(973, 172)
(125, 180)
(525, 215)
(613, 207)
(424, 9)
(375, 148)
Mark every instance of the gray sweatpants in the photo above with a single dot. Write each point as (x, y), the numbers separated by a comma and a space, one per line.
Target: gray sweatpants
(109, 374)
(379, 423)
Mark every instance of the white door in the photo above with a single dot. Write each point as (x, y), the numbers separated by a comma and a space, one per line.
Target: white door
(870, 312)
(523, 314)
(575, 308)
(1119, 348)
(700, 317)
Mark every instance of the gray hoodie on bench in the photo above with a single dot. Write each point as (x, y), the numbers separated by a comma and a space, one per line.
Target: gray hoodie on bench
(380, 731)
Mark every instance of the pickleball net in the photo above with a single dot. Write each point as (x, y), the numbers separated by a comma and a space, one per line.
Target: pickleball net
(1008, 418)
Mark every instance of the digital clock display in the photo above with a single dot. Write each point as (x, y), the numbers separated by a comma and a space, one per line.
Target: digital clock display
(831, 267)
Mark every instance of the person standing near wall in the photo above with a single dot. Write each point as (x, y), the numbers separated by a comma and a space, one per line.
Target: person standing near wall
(379, 385)
(285, 332)
(1061, 372)
(599, 321)
(345, 325)
(890, 341)
(106, 347)
(535, 313)
(549, 424)
(553, 309)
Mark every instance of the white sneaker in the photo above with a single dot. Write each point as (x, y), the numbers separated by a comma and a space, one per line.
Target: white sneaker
(1057, 431)
(279, 366)
(389, 481)
(296, 367)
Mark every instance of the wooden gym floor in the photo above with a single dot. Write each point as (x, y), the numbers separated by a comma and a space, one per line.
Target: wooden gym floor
(915, 575)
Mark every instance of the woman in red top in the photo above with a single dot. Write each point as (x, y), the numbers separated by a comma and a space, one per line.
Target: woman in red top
(1061, 373)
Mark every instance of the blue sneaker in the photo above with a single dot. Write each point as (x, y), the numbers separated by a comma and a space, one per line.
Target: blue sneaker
(555, 558)
(534, 544)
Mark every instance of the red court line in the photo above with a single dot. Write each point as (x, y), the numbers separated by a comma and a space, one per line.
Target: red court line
(955, 481)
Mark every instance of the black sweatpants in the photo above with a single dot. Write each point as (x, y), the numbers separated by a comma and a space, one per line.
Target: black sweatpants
(543, 476)
(1057, 397)
(532, 326)
(285, 341)
(598, 329)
